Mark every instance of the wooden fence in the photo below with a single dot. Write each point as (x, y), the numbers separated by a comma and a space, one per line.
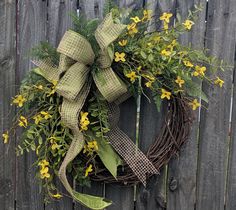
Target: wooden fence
(203, 177)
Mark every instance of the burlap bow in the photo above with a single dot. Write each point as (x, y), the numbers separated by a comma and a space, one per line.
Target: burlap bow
(74, 78)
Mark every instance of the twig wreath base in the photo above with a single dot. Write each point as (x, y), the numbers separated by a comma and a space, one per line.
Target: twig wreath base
(173, 134)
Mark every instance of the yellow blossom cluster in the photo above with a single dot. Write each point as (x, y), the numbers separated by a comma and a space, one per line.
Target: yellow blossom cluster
(194, 104)
(44, 169)
(88, 170)
(5, 137)
(132, 76)
(42, 115)
(53, 142)
(19, 100)
(23, 122)
(188, 24)
(53, 90)
(90, 147)
(84, 121)
(166, 19)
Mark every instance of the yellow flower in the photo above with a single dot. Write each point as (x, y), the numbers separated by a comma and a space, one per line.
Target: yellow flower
(19, 100)
(132, 76)
(88, 170)
(44, 169)
(139, 68)
(199, 71)
(23, 122)
(132, 29)
(147, 15)
(166, 17)
(194, 104)
(166, 26)
(188, 24)
(5, 137)
(123, 42)
(119, 57)
(84, 121)
(219, 82)
(149, 83)
(93, 145)
(43, 163)
(44, 173)
(53, 142)
(165, 94)
(57, 196)
(136, 19)
(179, 81)
(46, 115)
(166, 52)
(53, 90)
(37, 119)
(187, 63)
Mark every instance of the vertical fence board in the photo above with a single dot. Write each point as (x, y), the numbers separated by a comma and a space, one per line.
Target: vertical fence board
(153, 196)
(123, 197)
(92, 10)
(214, 122)
(182, 171)
(59, 20)
(31, 19)
(231, 186)
(7, 90)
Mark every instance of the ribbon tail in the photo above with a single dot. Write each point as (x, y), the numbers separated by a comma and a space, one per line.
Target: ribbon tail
(89, 201)
(125, 147)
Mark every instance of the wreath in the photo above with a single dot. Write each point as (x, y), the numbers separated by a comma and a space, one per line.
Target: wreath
(69, 104)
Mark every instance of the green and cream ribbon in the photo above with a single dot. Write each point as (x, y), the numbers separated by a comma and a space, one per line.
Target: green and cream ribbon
(74, 78)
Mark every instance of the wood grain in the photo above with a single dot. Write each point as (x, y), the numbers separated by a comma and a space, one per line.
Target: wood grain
(7, 90)
(92, 10)
(214, 128)
(59, 20)
(182, 170)
(31, 29)
(153, 196)
(229, 45)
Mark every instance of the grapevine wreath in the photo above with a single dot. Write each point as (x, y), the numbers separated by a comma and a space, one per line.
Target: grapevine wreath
(69, 104)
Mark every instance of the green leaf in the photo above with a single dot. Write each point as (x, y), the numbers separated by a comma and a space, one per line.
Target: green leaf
(143, 54)
(108, 156)
(92, 202)
(193, 89)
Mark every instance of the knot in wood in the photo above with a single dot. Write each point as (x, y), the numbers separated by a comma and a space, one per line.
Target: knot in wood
(173, 184)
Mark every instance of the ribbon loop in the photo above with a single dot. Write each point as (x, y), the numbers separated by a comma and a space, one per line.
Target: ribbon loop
(76, 47)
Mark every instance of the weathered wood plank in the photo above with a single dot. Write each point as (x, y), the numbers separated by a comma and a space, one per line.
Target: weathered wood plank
(31, 26)
(231, 182)
(153, 196)
(59, 20)
(214, 122)
(7, 90)
(92, 10)
(182, 171)
(123, 197)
